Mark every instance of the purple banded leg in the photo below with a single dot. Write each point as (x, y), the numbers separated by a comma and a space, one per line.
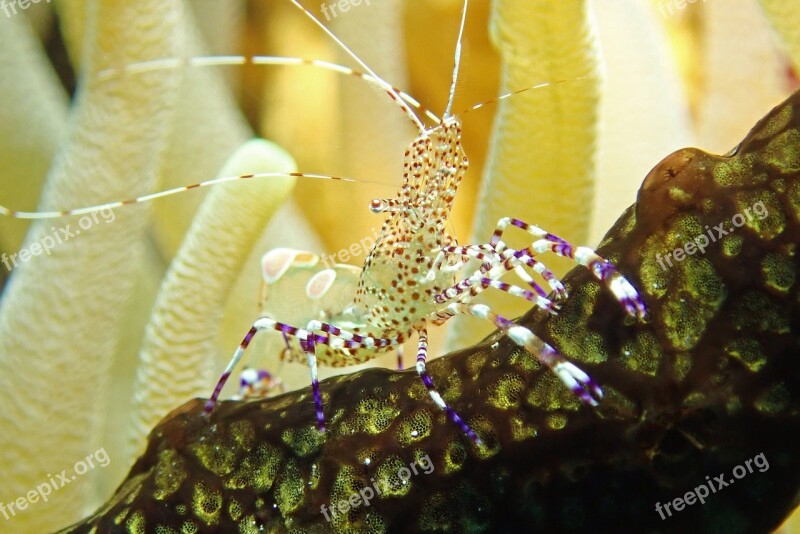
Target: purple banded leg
(489, 274)
(260, 324)
(311, 353)
(487, 255)
(438, 262)
(484, 253)
(476, 283)
(255, 383)
(400, 357)
(526, 257)
(422, 357)
(337, 338)
(503, 223)
(572, 376)
(602, 269)
(517, 258)
(285, 353)
(486, 278)
(340, 337)
(494, 265)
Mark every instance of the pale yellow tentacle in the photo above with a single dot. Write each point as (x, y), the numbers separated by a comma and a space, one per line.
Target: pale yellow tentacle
(33, 121)
(59, 316)
(785, 17)
(208, 127)
(637, 127)
(744, 73)
(374, 33)
(541, 164)
(179, 356)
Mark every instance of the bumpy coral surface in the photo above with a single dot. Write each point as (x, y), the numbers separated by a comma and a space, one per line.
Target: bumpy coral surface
(709, 382)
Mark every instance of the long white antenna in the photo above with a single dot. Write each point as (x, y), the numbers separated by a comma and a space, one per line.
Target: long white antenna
(227, 61)
(457, 63)
(387, 87)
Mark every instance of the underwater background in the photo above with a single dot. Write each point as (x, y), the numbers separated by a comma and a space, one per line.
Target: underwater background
(118, 325)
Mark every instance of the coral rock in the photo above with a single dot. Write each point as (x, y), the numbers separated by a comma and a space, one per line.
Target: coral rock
(703, 388)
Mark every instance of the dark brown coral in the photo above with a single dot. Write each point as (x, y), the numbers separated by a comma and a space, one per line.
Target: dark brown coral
(708, 383)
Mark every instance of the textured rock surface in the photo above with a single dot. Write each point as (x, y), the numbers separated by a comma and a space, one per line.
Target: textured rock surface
(709, 382)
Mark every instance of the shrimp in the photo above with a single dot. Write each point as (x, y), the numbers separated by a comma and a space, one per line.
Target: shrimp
(410, 278)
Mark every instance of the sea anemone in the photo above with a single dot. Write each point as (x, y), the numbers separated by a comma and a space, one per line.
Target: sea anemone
(80, 323)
